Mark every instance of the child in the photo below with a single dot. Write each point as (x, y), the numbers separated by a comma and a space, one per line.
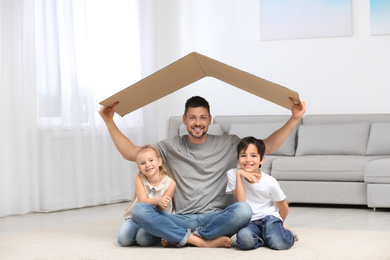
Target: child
(265, 197)
(153, 186)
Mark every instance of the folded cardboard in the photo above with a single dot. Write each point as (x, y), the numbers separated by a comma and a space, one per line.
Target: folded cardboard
(189, 69)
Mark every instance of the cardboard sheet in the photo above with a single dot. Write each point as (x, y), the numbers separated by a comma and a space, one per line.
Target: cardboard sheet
(186, 71)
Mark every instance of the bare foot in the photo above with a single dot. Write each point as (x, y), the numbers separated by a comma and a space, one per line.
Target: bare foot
(166, 243)
(221, 241)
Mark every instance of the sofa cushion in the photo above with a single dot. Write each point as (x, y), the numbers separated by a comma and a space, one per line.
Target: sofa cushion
(262, 131)
(321, 168)
(214, 129)
(267, 165)
(339, 139)
(379, 139)
(378, 195)
(378, 171)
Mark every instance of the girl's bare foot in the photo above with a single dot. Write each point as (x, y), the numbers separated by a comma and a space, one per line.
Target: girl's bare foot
(166, 243)
(221, 241)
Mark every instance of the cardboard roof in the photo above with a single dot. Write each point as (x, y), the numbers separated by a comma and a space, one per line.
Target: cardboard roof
(190, 69)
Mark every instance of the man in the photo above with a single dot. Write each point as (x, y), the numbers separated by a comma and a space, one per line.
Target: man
(205, 215)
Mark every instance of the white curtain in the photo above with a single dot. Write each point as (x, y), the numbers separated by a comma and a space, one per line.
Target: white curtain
(58, 60)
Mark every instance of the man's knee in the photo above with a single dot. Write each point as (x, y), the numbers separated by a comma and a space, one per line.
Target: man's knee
(243, 212)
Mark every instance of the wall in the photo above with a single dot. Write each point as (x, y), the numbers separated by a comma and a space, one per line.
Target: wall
(334, 75)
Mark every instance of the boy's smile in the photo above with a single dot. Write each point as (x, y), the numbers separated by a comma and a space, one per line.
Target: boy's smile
(249, 160)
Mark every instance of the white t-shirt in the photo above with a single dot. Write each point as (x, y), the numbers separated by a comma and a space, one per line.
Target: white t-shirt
(152, 192)
(261, 196)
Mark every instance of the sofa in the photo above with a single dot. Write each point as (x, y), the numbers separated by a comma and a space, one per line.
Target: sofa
(327, 159)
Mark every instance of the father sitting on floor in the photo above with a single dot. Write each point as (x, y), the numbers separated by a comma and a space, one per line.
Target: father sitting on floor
(205, 215)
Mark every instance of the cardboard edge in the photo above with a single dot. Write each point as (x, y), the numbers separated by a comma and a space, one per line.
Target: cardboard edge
(210, 65)
(206, 67)
(194, 73)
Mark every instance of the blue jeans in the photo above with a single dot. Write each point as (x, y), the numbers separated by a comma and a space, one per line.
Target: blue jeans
(130, 234)
(267, 231)
(176, 229)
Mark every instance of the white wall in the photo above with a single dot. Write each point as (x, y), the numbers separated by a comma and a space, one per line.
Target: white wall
(333, 75)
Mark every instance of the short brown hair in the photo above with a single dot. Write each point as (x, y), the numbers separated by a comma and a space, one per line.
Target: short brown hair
(196, 101)
(246, 141)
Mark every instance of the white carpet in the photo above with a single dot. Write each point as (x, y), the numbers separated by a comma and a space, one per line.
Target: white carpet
(97, 240)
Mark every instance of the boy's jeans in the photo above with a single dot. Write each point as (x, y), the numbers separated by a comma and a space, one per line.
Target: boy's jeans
(176, 229)
(269, 231)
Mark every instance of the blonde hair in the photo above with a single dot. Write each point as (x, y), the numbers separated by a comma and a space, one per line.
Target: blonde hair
(163, 170)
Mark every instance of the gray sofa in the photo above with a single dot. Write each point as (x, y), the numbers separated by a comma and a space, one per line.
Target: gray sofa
(327, 159)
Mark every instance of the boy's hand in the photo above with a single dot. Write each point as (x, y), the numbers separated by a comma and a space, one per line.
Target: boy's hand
(295, 234)
(250, 177)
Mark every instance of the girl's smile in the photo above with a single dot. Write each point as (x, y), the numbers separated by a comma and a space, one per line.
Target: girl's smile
(148, 163)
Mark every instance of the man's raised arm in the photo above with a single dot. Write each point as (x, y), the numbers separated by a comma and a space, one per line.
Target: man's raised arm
(126, 148)
(276, 139)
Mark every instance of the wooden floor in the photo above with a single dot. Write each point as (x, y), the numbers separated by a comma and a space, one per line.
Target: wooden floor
(300, 216)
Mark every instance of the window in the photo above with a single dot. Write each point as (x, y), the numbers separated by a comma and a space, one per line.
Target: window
(87, 51)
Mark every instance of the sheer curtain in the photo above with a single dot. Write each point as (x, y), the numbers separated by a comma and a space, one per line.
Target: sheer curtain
(58, 60)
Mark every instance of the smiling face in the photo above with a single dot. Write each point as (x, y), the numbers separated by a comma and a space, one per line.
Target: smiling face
(148, 163)
(249, 159)
(197, 121)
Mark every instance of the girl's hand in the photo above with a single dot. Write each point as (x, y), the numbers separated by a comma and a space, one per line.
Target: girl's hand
(164, 202)
(250, 177)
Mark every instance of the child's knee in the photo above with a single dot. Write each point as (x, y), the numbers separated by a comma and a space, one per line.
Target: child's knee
(143, 238)
(276, 236)
(282, 242)
(125, 241)
(247, 240)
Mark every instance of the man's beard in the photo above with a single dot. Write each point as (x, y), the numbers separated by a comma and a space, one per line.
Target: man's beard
(197, 137)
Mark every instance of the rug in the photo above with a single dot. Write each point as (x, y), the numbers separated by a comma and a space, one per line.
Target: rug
(97, 240)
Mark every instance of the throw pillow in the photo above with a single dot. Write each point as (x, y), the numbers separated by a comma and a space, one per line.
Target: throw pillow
(339, 139)
(379, 140)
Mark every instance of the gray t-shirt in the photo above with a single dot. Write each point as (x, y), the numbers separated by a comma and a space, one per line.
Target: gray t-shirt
(200, 171)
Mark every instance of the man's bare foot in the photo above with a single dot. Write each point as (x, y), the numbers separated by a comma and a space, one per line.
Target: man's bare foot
(221, 241)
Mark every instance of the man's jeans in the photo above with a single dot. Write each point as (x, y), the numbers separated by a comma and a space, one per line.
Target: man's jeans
(131, 234)
(176, 229)
(267, 231)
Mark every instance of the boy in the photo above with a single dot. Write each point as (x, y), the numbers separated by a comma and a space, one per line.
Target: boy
(265, 197)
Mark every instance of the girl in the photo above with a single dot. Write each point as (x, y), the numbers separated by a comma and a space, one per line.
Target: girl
(263, 193)
(154, 186)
